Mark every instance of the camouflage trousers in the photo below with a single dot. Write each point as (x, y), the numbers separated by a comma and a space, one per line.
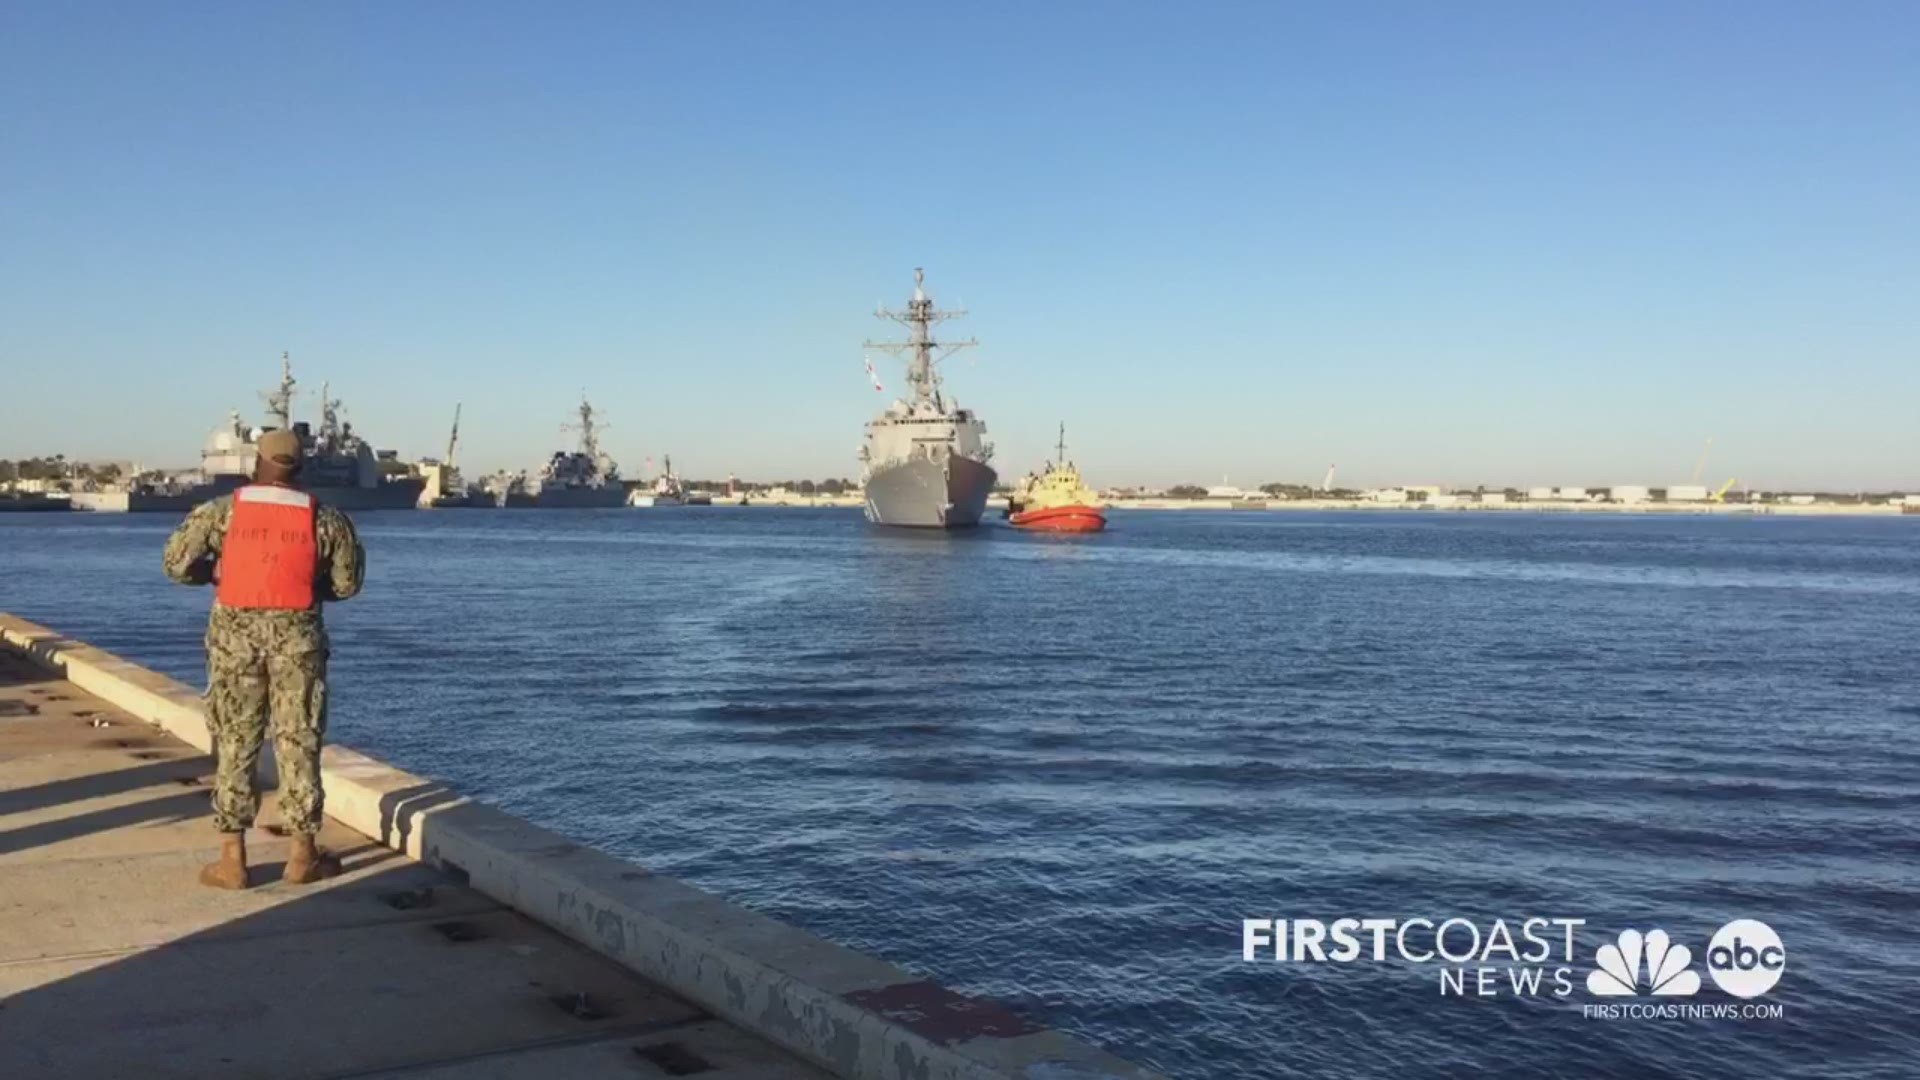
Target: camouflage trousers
(248, 690)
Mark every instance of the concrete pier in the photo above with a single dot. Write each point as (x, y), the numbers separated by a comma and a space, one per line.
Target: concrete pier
(461, 942)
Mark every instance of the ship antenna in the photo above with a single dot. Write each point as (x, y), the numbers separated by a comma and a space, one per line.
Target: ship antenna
(329, 413)
(923, 352)
(280, 399)
(1063, 445)
(589, 431)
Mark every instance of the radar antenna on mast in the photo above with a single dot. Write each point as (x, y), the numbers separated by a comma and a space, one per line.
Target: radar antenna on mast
(329, 414)
(923, 353)
(280, 398)
(588, 427)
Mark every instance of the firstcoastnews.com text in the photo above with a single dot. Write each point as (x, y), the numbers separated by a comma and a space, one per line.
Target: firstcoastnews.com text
(1669, 1010)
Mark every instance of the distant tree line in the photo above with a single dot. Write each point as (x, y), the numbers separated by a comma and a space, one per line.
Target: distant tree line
(830, 486)
(57, 468)
(1275, 490)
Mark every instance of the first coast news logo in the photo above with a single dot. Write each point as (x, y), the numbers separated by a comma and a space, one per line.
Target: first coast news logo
(1634, 976)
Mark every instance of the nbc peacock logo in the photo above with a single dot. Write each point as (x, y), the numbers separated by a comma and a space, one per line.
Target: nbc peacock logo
(1620, 964)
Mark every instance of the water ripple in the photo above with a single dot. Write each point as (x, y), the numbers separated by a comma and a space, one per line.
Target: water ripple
(1060, 773)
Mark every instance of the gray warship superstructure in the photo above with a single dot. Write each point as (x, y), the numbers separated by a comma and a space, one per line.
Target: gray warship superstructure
(585, 478)
(925, 460)
(337, 466)
(666, 489)
(507, 489)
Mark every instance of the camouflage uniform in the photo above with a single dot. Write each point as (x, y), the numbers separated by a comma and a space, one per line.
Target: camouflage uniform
(267, 663)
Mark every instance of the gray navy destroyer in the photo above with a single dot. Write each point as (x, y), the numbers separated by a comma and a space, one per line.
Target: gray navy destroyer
(580, 479)
(925, 460)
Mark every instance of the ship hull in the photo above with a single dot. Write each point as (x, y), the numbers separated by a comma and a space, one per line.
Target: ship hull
(613, 496)
(398, 496)
(1065, 519)
(462, 502)
(402, 495)
(926, 494)
(134, 502)
(33, 504)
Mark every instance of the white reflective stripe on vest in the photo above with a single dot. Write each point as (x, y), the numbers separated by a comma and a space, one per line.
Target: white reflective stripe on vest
(283, 496)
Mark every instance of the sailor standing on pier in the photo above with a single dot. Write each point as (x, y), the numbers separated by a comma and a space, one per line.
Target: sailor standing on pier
(274, 555)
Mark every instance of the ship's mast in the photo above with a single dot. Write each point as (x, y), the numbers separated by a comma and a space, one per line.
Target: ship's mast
(280, 399)
(589, 432)
(923, 353)
(1062, 448)
(329, 414)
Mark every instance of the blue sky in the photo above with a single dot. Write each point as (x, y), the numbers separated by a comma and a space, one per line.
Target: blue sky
(1465, 243)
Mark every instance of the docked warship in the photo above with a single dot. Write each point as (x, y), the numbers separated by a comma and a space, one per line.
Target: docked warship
(666, 489)
(585, 478)
(925, 461)
(337, 466)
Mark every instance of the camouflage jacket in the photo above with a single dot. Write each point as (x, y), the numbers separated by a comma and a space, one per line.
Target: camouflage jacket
(194, 548)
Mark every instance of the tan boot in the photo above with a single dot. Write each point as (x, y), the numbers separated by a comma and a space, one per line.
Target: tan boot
(231, 871)
(306, 863)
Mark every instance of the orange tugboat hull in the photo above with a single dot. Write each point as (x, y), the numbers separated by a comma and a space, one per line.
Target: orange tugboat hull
(1061, 519)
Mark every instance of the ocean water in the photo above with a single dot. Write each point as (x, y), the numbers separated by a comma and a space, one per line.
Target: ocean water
(1060, 772)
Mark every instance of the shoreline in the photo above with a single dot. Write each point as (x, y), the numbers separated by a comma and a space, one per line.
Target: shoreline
(99, 503)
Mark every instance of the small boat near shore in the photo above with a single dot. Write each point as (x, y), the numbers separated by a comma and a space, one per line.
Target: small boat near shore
(1056, 500)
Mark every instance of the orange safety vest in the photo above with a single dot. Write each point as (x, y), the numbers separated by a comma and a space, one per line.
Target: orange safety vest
(269, 556)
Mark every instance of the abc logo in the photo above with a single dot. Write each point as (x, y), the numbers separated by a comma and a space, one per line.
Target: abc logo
(1746, 958)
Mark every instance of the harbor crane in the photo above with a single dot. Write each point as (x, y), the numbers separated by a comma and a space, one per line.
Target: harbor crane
(1327, 483)
(1721, 495)
(1700, 465)
(453, 440)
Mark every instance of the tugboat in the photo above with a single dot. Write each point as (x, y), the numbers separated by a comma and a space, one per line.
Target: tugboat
(925, 461)
(1056, 500)
(581, 479)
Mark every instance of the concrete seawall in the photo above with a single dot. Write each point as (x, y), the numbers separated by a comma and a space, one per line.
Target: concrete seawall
(851, 1014)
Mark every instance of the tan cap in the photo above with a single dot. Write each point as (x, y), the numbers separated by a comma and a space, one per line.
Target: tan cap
(281, 446)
